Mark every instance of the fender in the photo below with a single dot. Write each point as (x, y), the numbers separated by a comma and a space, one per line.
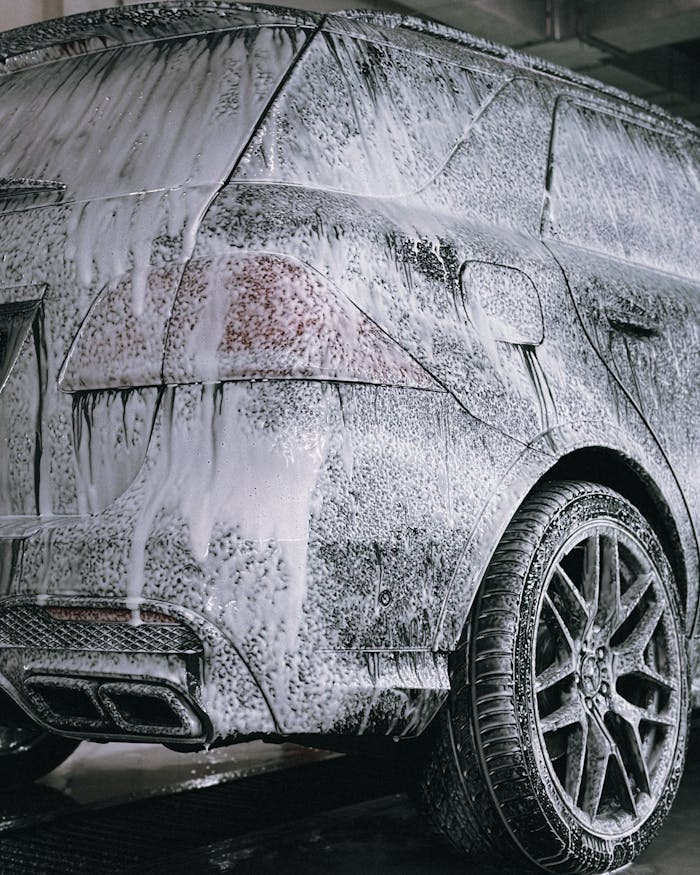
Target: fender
(636, 449)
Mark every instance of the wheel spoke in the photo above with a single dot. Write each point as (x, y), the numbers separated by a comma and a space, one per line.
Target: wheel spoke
(560, 622)
(553, 674)
(598, 750)
(633, 595)
(639, 637)
(634, 748)
(576, 761)
(566, 715)
(640, 764)
(609, 596)
(625, 781)
(651, 674)
(631, 662)
(570, 593)
(591, 575)
(633, 714)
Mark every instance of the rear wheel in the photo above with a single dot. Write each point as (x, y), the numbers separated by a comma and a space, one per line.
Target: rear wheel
(26, 750)
(564, 737)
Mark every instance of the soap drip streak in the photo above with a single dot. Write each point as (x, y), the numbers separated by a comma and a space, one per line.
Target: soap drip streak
(547, 407)
(147, 514)
(40, 474)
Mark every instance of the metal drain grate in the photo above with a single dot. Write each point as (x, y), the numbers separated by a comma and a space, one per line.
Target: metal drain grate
(126, 836)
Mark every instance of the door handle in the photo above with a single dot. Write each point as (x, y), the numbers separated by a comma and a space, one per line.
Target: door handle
(633, 324)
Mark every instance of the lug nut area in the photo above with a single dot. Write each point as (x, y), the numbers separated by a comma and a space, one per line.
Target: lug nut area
(593, 676)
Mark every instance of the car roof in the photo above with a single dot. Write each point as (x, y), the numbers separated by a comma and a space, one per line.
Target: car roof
(123, 25)
(508, 55)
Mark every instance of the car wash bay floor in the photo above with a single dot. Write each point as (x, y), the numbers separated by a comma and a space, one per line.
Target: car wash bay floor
(256, 809)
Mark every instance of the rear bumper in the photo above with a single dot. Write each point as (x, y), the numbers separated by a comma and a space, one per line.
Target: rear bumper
(183, 682)
(263, 520)
(174, 680)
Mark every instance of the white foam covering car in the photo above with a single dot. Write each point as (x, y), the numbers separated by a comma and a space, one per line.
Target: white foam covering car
(349, 387)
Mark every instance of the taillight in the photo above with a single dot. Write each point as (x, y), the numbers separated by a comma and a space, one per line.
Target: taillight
(265, 316)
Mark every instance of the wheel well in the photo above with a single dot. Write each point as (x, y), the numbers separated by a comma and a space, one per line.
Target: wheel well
(609, 468)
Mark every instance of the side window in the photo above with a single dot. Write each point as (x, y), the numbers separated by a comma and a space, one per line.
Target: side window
(623, 189)
(144, 116)
(498, 172)
(364, 118)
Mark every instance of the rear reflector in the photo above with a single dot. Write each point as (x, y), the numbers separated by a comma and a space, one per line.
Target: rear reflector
(108, 615)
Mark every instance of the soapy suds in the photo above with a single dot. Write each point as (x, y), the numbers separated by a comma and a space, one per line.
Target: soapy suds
(327, 532)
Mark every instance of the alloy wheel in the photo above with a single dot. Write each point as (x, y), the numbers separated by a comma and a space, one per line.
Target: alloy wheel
(607, 679)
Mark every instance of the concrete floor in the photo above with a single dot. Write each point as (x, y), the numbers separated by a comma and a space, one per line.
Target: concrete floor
(372, 836)
(119, 773)
(386, 837)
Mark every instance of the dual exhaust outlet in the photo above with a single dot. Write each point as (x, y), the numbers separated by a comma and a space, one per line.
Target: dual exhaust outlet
(115, 708)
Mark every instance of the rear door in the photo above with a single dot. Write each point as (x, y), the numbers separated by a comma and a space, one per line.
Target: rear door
(623, 220)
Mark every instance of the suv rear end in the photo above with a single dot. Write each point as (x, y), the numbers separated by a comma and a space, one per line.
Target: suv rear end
(177, 402)
(307, 428)
(119, 130)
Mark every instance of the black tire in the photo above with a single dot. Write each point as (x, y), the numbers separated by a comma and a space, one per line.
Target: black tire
(535, 758)
(26, 750)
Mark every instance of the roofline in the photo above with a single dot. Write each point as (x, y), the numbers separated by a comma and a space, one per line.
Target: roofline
(512, 56)
(124, 25)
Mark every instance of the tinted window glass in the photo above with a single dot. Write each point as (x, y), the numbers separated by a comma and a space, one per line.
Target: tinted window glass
(624, 189)
(141, 117)
(498, 172)
(362, 117)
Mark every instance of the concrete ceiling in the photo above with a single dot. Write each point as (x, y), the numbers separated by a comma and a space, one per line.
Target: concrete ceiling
(648, 47)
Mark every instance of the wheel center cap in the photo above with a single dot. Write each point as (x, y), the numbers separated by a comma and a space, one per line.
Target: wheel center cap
(590, 675)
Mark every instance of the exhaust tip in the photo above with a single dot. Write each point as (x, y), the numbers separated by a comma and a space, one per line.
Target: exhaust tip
(111, 708)
(65, 702)
(150, 709)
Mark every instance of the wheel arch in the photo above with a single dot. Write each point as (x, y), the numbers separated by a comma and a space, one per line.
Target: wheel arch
(651, 489)
(611, 468)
